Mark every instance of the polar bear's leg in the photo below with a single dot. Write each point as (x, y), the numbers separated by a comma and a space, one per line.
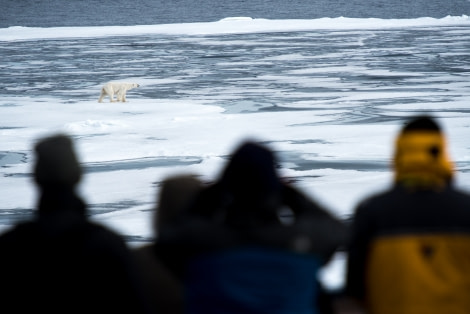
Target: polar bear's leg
(102, 94)
(121, 95)
(110, 91)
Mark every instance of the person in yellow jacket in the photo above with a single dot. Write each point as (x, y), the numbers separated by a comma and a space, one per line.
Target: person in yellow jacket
(409, 251)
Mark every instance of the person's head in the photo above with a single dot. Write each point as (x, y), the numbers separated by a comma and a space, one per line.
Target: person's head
(421, 159)
(56, 163)
(252, 185)
(251, 172)
(175, 196)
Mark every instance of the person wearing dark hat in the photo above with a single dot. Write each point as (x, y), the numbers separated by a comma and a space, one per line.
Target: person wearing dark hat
(245, 255)
(60, 262)
(410, 244)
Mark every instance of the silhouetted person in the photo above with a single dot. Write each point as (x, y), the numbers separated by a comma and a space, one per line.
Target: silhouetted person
(163, 285)
(245, 255)
(60, 262)
(410, 244)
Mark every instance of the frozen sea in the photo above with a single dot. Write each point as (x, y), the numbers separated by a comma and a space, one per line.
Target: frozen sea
(328, 93)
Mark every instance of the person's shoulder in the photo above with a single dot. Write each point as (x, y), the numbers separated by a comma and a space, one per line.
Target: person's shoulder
(460, 194)
(377, 200)
(104, 236)
(18, 230)
(21, 238)
(299, 201)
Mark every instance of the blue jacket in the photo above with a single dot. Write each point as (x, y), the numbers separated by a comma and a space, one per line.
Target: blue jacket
(252, 280)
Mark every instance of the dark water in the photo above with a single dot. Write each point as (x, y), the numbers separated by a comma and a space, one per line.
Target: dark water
(72, 68)
(53, 13)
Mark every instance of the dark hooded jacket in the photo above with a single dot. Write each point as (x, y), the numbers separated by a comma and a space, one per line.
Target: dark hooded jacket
(62, 263)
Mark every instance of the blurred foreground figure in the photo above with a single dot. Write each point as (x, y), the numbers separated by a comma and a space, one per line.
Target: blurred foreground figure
(60, 262)
(163, 284)
(254, 244)
(410, 249)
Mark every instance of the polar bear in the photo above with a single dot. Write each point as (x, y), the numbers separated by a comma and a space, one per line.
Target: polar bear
(116, 88)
